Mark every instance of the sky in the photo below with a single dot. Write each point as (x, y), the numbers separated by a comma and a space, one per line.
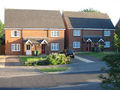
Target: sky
(111, 7)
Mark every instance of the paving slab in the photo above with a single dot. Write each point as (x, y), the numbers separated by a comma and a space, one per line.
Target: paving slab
(2, 61)
(13, 60)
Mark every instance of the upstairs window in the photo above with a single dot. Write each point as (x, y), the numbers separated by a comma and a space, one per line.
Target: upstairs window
(15, 47)
(15, 33)
(76, 33)
(106, 33)
(54, 34)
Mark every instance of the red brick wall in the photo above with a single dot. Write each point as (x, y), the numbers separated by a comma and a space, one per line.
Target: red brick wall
(10, 40)
(87, 32)
(32, 33)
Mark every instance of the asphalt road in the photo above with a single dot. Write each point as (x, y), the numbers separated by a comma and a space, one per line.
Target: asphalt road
(73, 81)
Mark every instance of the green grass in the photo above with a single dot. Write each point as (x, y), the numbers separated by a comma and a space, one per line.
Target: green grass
(98, 55)
(56, 69)
(32, 59)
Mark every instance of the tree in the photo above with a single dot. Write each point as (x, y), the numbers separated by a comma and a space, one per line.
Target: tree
(90, 10)
(117, 39)
(1, 29)
(111, 81)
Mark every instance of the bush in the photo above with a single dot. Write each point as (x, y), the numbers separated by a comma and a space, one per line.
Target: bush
(52, 59)
(112, 81)
(56, 59)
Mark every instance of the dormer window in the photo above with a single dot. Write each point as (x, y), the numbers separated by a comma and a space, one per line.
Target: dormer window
(15, 33)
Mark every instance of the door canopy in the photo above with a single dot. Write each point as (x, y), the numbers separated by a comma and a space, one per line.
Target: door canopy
(93, 39)
(35, 41)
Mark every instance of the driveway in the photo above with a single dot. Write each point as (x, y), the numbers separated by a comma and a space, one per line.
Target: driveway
(12, 60)
(86, 64)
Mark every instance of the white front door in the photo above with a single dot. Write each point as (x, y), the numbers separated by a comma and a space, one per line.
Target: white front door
(28, 50)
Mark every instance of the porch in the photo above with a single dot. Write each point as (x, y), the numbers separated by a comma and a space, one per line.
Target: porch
(91, 43)
(35, 46)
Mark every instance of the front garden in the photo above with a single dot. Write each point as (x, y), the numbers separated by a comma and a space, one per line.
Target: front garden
(51, 59)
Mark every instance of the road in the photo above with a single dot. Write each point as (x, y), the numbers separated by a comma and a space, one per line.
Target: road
(52, 81)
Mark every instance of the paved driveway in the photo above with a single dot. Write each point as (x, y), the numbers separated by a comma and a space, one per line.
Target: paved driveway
(86, 64)
(12, 60)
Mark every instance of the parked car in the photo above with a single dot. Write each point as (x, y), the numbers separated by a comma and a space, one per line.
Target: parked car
(70, 53)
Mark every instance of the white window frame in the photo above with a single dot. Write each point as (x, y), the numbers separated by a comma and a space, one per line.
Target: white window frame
(15, 47)
(54, 46)
(76, 32)
(107, 44)
(13, 33)
(107, 33)
(54, 33)
(76, 44)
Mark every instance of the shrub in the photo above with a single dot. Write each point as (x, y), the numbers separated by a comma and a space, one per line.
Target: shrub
(56, 59)
(112, 81)
(52, 59)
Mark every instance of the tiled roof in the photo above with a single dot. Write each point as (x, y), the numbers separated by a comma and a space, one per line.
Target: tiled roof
(88, 20)
(18, 18)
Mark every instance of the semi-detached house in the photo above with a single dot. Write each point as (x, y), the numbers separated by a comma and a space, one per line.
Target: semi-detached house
(85, 30)
(48, 31)
(30, 30)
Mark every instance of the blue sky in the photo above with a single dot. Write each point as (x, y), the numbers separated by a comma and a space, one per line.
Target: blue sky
(111, 7)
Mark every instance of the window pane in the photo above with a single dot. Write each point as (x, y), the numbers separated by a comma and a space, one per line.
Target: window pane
(76, 44)
(106, 33)
(28, 47)
(107, 44)
(54, 46)
(15, 33)
(13, 47)
(18, 47)
(76, 33)
(54, 33)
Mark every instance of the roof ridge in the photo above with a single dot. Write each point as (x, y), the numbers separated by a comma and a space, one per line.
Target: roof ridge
(30, 9)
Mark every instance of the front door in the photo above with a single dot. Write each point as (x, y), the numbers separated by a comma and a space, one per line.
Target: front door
(28, 50)
(89, 46)
(43, 48)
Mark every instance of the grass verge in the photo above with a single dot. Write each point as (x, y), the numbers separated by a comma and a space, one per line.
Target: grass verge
(32, 59)
(56, 69)
(98, 55)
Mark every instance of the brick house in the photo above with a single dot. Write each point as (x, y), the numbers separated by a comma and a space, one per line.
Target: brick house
(85, 30)
(118, 24)
(30, 30)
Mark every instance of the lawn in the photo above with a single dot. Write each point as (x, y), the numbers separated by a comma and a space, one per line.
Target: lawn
(32, 59)
(55, 69)
(98, 55)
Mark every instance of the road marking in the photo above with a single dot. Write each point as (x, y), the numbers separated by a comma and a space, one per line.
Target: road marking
(83, 59)
(22, 75)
